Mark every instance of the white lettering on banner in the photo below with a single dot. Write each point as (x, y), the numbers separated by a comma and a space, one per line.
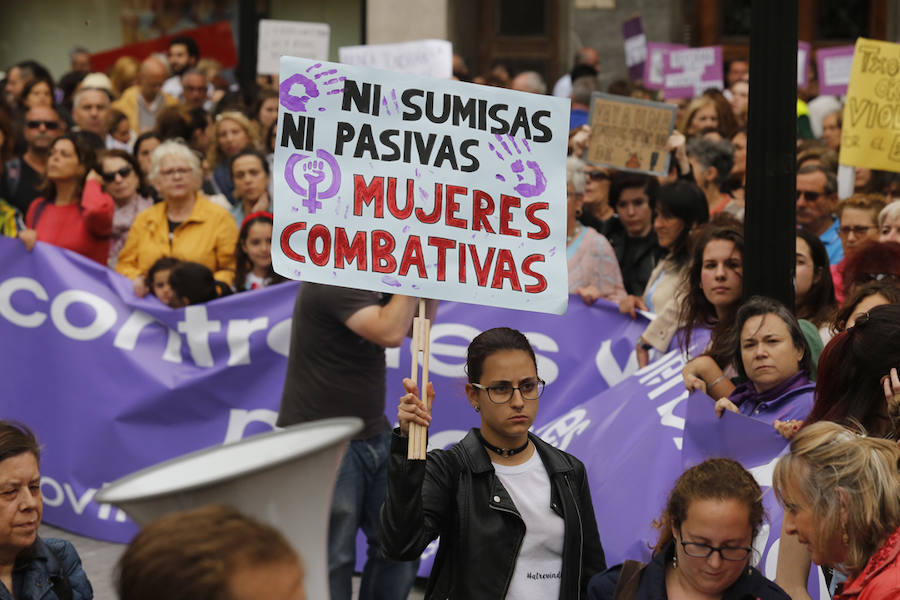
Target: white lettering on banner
(279, 338)
(127, 337)
(15, 284)
(239, 419)
(444, 439)
(239, 331)
(458, 351)
(559, 432)
(608, 366)
(104, 315)
(197, 328)
(663, 375)
(61, 493)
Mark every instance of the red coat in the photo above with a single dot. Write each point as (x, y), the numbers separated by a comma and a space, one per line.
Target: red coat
(880, 579)
(84, 228)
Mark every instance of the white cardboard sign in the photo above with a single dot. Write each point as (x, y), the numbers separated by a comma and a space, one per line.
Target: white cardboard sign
(290, 38)
(425, 187)
(428, 58)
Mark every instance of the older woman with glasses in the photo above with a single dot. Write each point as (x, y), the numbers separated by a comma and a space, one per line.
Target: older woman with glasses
(705, 542)
(514, 514)
(185, 225)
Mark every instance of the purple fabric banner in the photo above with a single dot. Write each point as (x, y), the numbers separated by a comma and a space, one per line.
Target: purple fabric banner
(834, 66)
(689, 71)
(635, 47)
(113, 384)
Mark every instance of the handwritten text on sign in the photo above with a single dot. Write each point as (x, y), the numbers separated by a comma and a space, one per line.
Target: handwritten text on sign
(630, 134)
(439, 189)
(871, 129)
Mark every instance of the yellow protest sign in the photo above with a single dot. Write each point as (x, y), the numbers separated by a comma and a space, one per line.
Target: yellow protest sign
(870, 135)
(629, 134)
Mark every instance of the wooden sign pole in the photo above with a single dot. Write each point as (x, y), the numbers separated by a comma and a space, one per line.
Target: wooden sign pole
(421, 342)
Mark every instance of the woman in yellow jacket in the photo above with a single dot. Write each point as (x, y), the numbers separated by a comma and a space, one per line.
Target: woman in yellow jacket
(185, 225)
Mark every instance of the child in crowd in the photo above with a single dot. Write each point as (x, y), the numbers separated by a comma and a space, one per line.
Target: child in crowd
(193, 283)
(253, 254)
(158, 279)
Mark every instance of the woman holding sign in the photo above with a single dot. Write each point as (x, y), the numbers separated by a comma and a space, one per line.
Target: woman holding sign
(514, 514)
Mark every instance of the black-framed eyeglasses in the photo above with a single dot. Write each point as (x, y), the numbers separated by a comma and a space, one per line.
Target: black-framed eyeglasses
(501, 393)
(36, 124)
(698, 550)
(858, 230)
(123, 173)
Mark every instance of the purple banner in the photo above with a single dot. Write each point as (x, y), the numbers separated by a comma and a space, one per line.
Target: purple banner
(653, 66)
(689, 71)
(635, 47)
(113, 384)
(834, 65)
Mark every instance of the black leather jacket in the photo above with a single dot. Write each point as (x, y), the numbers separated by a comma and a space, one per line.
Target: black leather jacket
(455, 494)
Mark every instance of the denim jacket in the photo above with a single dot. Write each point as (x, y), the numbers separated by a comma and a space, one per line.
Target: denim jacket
(49, 564)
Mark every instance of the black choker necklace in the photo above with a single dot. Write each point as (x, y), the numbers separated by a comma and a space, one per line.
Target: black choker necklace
(504, 452)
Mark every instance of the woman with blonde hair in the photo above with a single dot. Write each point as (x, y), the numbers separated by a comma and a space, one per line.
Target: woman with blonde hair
(841, 496)
(123, 74)
(701, 114)
(233, 132)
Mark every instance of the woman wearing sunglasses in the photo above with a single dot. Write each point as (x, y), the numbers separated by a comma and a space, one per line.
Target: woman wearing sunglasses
(705, 543)
(514, 514)
(73, 212)
(123, 181)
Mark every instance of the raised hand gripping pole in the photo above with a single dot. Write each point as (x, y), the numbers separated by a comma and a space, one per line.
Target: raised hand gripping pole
(421, 342)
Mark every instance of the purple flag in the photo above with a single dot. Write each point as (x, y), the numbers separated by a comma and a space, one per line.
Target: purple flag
(689, 71)
(635, 47)
(834, 65)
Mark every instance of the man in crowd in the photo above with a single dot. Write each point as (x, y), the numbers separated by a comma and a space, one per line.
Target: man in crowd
(336, 368)
(21, 75)
(22, 175)
(587, 57)
(816, 202)
(142, 102)
(633, 197)
(582, 88)
(90, 110)
(711, 162)
(80, 60)
(183, 55)
(529, 81)
(195, 89)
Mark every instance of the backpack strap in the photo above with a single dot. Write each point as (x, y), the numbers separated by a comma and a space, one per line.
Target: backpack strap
(629, 580)
(40, 205)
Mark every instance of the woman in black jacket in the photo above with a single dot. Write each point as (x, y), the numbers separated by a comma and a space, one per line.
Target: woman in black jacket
(513, 513)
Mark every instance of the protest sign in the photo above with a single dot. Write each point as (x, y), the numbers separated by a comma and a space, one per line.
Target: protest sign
(635, 47)
(689, 71)
(426, 187)
(803, 49)
(834, 66)
(630, 134)
(870, 136)
(289, 38)
(426, 58)
(653, 66)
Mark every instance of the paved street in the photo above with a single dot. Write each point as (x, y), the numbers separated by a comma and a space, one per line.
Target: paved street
(99, 559)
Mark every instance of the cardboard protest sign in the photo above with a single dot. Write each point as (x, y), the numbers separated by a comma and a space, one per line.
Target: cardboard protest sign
(870, 136)
(426, 187)
(428, 58)
(803, 49)
(834, 66)
(653, 66)
(635, 47)
(689, 71)
(630, 134)
(289, 38)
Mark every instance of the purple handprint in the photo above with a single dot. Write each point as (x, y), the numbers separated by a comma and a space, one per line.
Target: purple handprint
(524, 188)
(311, 87)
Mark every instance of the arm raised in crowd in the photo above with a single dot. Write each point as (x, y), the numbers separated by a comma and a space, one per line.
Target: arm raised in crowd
(97, 207)
(385, 325)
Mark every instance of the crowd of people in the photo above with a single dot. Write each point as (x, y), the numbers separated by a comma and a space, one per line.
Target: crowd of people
(160, 171)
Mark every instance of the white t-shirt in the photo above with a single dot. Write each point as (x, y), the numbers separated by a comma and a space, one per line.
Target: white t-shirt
(539, 564)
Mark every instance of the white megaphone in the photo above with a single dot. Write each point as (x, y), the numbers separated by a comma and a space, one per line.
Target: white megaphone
(284, 478)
